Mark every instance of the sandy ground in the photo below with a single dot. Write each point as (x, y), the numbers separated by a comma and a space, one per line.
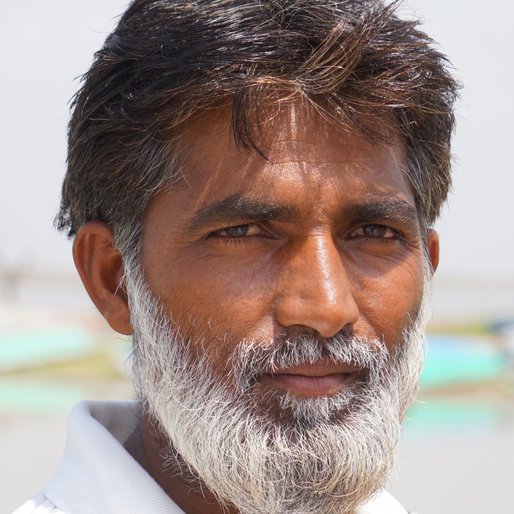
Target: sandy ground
(438, 471)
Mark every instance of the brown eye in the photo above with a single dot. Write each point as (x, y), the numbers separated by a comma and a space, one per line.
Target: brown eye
(250, 229)
(374, 231)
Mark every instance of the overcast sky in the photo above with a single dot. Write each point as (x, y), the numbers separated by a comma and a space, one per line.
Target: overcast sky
(46, 45)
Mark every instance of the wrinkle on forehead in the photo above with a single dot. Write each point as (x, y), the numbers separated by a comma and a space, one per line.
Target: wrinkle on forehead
(297, 141)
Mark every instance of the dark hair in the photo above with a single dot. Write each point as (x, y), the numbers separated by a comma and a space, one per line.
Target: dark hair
(170, 59)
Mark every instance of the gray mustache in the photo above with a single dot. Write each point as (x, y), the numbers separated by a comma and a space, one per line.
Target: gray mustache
(253, 358)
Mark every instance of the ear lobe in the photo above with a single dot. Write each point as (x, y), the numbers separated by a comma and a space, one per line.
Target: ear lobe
(433, 248)
(101, 270)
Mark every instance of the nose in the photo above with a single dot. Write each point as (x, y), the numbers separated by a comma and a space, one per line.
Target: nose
(315, 291)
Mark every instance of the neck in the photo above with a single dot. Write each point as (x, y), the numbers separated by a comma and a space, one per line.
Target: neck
(148, 446)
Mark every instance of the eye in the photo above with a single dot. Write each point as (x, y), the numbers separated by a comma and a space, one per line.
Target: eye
(239, 231)
(375, 231)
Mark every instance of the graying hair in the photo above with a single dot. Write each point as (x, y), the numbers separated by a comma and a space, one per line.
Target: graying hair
(355, 61)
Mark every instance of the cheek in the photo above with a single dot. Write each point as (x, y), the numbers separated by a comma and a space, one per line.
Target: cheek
(390, 301)
(215, 297)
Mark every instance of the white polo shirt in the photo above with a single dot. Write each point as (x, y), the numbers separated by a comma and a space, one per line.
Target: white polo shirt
(98, 476)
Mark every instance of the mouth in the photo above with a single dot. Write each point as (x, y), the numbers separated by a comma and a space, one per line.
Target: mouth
(313, 380)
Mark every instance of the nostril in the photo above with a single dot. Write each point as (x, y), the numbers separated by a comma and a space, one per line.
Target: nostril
(312, 316)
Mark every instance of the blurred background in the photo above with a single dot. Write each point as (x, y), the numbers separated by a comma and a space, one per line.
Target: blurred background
(457, 451)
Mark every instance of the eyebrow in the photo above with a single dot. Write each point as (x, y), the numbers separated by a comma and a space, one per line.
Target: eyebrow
(239, 208)
(383, 209)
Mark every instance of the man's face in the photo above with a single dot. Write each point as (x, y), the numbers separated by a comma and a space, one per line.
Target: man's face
(278, 325)
(320, 237)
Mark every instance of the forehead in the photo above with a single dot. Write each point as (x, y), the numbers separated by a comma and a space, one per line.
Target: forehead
(307, 160)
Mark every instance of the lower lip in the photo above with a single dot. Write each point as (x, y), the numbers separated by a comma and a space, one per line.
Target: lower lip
(303, 385)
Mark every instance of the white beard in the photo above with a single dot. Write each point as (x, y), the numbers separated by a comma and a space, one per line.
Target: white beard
(321, 455)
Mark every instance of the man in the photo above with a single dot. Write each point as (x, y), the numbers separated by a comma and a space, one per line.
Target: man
(251, 187)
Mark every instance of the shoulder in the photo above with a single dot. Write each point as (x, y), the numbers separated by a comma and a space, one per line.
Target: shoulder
(38, 505)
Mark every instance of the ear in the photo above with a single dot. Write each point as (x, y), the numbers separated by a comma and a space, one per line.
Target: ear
(433, 248)
(100, 267)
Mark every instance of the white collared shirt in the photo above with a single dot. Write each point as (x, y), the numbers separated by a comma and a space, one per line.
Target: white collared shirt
(98, 476)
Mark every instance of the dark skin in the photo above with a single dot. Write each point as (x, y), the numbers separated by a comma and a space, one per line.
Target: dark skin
(321, 237)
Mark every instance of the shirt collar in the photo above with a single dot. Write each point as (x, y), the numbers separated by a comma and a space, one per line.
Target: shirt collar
(96, 473)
